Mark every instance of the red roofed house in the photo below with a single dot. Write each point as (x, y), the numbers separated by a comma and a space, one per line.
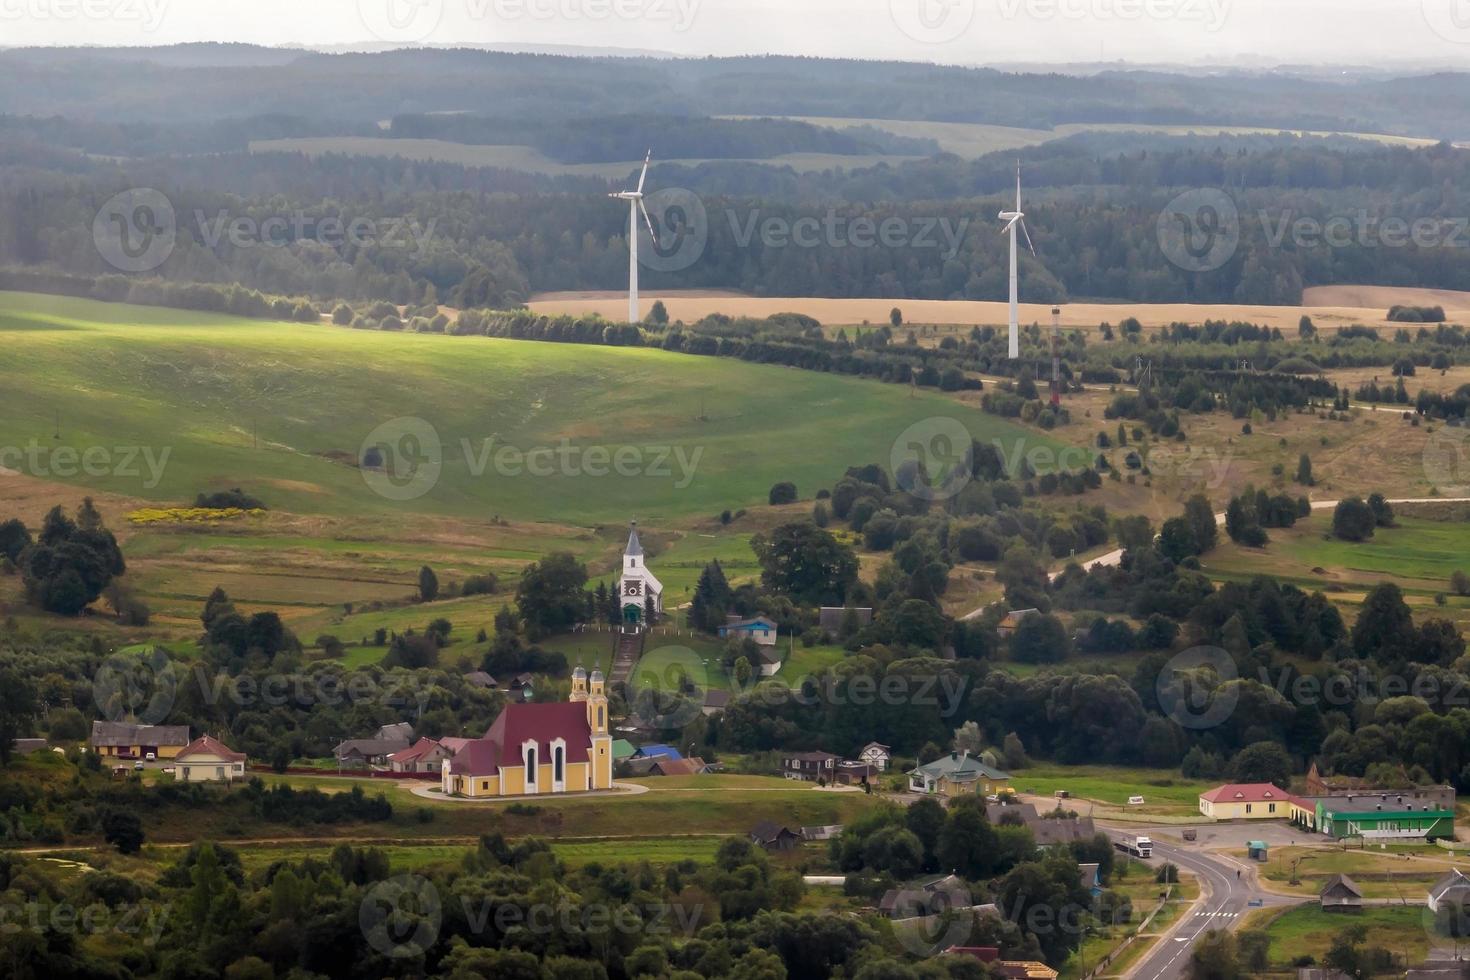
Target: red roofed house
(1246, 801)
(426, 755)
(208, 760)
(535, 749)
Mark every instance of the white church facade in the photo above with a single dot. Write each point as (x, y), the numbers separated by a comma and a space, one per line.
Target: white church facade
(638, 585)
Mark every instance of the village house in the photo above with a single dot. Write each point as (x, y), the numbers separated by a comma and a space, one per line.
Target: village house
(773, 837)
(770, 664)
(482, 680)
(1012, 619)
(208, 760)
(875, 754)
(715, 701)
(1049, 830)
(957, 774)
(1452, 889)
(849, 773)
(1341, 894)
(809, 766)
(760, 629)
(426, 755)
(123, 740)
(532, 749)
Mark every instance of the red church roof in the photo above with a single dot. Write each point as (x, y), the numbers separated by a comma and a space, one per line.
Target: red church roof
(521, 723)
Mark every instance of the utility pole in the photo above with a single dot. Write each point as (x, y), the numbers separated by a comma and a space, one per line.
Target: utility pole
(1056, 358)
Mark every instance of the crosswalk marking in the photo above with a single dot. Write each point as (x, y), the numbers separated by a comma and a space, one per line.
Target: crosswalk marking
(1215, 915)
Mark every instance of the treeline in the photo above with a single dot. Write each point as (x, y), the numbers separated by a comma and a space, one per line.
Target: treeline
(196, 83)
(628, 137)
(490, 238)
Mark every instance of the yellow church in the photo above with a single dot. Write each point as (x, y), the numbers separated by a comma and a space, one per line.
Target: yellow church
(536, 749)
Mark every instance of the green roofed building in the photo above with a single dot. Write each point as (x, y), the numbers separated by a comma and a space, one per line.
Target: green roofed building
(957, 774)
(1375, 820)
(623, 749)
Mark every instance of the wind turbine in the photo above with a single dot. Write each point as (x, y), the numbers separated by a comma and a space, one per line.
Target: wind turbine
(635, 204)
(1012, 219)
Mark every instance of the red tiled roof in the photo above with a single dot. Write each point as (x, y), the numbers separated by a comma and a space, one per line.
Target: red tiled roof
(418, 750)
(205, 745)
(521, 723)
(1247, 793)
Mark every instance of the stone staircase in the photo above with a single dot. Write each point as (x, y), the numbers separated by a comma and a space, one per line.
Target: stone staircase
(630, 646)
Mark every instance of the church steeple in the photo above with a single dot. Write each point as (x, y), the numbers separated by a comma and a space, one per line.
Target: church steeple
(597, 703)
(634, 550)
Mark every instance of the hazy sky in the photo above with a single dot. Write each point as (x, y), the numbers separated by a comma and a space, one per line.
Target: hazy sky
(956, 31)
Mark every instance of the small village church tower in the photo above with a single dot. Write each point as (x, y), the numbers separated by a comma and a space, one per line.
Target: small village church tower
(638, 584)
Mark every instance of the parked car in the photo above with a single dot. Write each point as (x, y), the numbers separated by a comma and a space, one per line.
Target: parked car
(1190, 834)
(138, 765)
(151, 757)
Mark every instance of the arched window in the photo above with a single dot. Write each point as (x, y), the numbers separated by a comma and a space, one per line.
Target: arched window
(531, 766)
(558, 756)
(599, 717)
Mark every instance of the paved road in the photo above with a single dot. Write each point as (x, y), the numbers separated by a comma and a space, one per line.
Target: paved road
(1227, 887)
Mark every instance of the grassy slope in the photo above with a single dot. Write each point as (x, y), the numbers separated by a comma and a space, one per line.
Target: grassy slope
(203, 386)
(1417, 554)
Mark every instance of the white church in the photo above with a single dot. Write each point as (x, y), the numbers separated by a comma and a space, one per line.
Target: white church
(638, 584)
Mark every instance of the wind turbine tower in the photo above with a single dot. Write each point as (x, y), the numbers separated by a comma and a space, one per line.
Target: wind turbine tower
(635, 205)
(1012, 219)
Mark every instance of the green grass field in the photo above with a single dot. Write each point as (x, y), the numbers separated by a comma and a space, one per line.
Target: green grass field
(1164, 791)
(1308, 931)
(1418, 554)
(287, 410)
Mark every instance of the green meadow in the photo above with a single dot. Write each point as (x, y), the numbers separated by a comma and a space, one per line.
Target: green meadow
(287, 411)
(1417, 553)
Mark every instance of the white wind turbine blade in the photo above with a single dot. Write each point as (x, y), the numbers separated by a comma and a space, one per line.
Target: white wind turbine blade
(644, 174)
(1010, 224)
(1028, 236)
(651, 233)
(1018, 185)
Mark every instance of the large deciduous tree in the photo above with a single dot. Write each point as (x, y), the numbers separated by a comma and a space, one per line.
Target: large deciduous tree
(807, 563)
(550, 596)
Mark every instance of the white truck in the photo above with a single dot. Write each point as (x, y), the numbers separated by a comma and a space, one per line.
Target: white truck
(1140, 847)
